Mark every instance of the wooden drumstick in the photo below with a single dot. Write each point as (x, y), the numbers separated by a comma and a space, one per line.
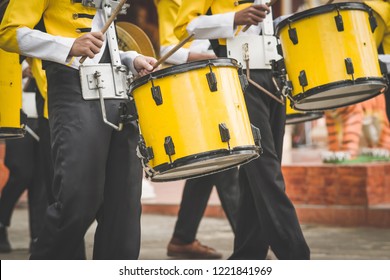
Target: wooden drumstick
(174, 49)
(108, 22)
(269, 5)
(329, 2)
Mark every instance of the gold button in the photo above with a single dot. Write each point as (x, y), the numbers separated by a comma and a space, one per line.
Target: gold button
(235, 3)
(75, 16)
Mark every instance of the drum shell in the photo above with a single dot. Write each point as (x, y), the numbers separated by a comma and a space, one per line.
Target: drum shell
(190, 112)
(11, 123)
(322, 49)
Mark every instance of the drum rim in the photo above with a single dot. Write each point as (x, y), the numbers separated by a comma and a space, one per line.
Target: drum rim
(201, 156)
(304, 117)
(321, 10)
(12, 132)
(181, 68)
(335, 85)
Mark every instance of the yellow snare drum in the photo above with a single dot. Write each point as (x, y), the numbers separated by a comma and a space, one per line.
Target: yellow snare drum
(193, 120)
(330, 56)
(11, 117)
(293, 116)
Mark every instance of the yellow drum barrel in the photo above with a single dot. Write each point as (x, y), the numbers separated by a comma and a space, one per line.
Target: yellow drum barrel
(331, 56)
(193, 120)
(11, 116)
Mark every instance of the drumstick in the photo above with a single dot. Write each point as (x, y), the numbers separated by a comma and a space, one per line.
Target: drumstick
(175, 48)
(329, 2)
(108, 22)
(269, 5)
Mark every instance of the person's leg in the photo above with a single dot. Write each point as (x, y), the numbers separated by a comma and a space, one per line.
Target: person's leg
(196, 194)
(80, 148)
(118, 231)
(19, 161)
(276, 215)
(228, 189)
(37, 200)
(183, 243)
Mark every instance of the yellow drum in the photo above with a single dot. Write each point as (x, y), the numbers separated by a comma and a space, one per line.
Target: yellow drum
(193, 120)
(330, 56)
(294, 116)
(12, 120)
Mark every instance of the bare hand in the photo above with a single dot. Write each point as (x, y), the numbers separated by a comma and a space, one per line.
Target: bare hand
(251, 15)
(200, 56)
(27, 73)
(144, 64)
(87, 45)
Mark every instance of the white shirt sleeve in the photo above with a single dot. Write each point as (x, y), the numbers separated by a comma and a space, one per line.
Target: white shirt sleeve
(178, 57)
(212, 27)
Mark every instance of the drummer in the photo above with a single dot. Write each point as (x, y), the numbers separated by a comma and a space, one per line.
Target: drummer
(196, 192)
(266, 215)
(97, 174)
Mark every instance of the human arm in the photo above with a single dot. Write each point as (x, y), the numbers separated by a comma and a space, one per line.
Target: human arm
(192, 18)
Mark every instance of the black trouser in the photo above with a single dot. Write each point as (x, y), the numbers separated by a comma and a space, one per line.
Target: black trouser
(24, 161)
(97, 175)
(266, 216)
(196, 194)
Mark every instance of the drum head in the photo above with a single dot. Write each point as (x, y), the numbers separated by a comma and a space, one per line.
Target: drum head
(203, 164)
(182, 68)
(320, 10)
(338, 95)
(303, 117)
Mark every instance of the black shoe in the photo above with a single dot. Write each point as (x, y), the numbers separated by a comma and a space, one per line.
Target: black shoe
(5, 246)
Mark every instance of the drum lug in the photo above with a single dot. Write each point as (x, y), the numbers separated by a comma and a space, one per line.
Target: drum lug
(212, 80)
(339, 22)
(257, 137)
(349, 67)
(127, 111)
(169, 147)
(145, 153)
(303, 79)
(293, 35)
(224, 132)
(243, 80)
(156, 94)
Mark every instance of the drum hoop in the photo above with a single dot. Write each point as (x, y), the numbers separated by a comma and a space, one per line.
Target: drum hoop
(202, 156)
(182, 68)
(334, 85)
(321, 10)
(298, 118)
(11, 132)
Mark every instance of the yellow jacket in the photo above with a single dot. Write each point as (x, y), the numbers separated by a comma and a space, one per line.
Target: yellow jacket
(64, 22)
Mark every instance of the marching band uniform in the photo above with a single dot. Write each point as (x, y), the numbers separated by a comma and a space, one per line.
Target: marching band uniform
(266, 217)
(25, 163)
(196, 191)
(97, 174)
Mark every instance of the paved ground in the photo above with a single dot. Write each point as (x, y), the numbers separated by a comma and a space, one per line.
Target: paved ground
(325, 242)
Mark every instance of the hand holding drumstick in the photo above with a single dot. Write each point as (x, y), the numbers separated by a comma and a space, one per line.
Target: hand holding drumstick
(252, 15)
